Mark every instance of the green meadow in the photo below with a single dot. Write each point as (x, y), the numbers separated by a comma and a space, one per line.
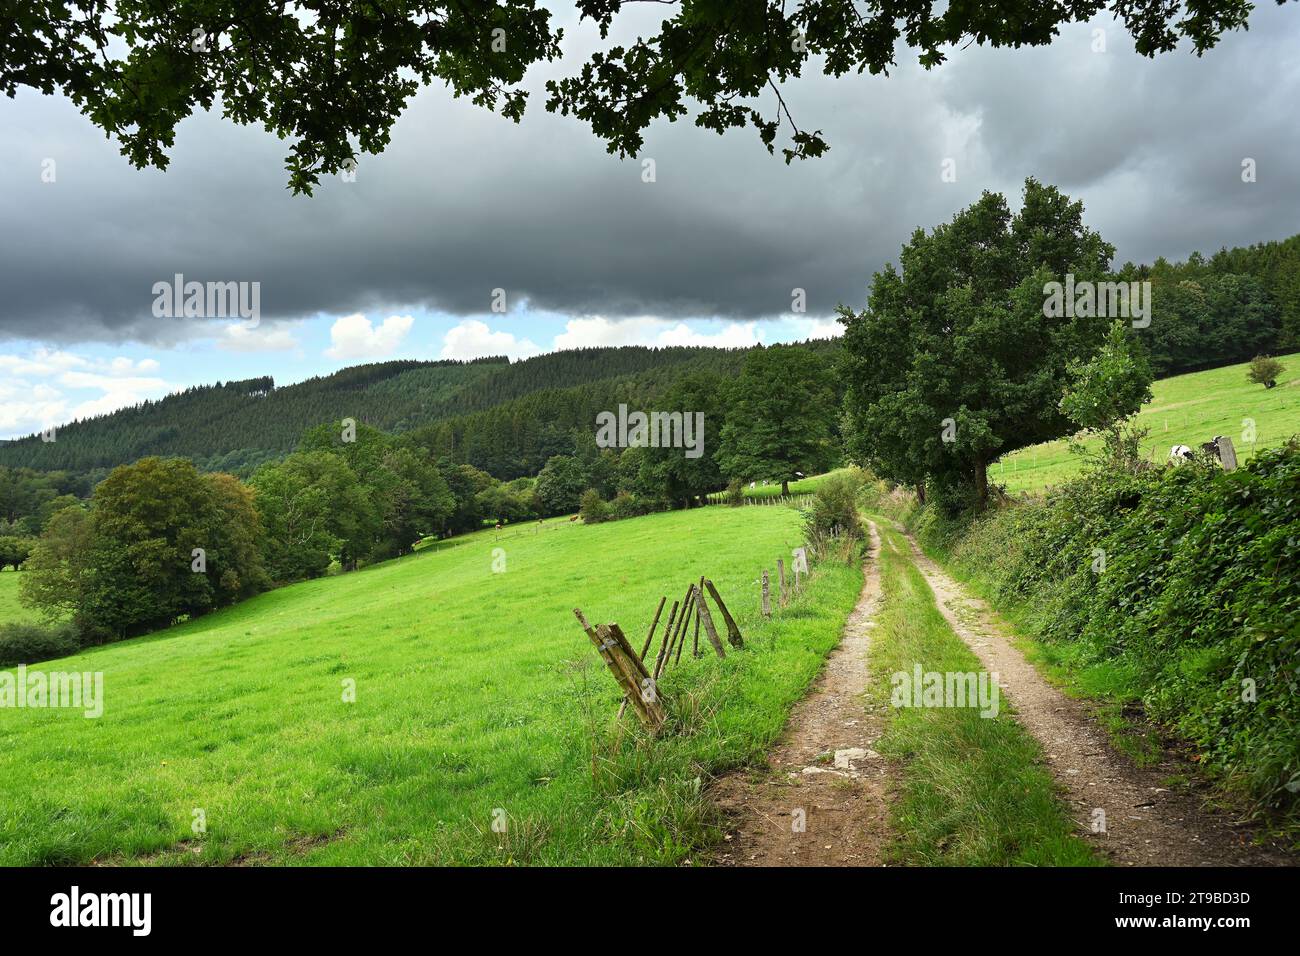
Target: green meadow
(1185, 410)
(10, 609)
(478, 701)
(802, 486)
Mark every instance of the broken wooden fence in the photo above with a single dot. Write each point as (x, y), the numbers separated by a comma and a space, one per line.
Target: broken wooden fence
(787, 590)
(640, 682)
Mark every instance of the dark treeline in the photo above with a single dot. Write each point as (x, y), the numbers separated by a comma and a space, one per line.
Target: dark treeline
(27, 500)
(516, 438)
(236, 426)
(1226, 309)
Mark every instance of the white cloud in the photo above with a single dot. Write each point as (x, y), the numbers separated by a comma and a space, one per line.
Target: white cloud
(733, 335)
(474, 339)
(818, 328)
(42, 362)
(354, 337)
(599, 331)
(23, 418)
(237, 337)
(35, 388)
(120, 394)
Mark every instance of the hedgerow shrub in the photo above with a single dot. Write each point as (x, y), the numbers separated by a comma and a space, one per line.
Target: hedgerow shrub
(32, 643)
(832, 523)
(1186, 577)
(627, 505)
(593, 508)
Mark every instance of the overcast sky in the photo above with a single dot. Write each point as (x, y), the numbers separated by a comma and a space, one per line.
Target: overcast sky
(403, 261)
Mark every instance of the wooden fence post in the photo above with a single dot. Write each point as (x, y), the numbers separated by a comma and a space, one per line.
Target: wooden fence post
(695, 650)
(622, 708)
(702, 613)
(638, 686)
(767, 596)
(653, 624)
(1227, 454)
(733, 630)
(678, 635)
(780, 573)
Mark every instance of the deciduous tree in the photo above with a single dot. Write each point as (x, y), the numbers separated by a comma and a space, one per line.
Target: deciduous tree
(954, 363)
(780, 417)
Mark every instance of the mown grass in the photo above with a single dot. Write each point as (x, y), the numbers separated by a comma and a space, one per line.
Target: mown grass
(972, 791)
(478, 698)
(1185, 410)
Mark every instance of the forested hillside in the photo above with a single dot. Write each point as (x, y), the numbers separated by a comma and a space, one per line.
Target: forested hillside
(1225, 309)
(236, 426)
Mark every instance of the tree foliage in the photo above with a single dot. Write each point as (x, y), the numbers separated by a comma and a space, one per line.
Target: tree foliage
(780, 418)
(955, 361)
(1102, 394)
(332, 76)
(159, 542)
(1264, 370)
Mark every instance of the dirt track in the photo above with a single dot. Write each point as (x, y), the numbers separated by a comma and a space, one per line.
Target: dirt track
(824, 768)
(1146, 823)
(822, 798)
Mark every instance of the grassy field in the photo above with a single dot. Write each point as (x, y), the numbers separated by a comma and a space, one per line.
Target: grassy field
(973, 790)
(477, 698)
(1185, 410)
(10, 609)
(803, 486)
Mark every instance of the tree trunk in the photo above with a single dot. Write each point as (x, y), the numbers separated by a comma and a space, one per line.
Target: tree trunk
(920, 492)
(785, 486)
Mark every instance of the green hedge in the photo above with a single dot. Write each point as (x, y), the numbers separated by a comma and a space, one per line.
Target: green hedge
(33, 643)
(1199, 595)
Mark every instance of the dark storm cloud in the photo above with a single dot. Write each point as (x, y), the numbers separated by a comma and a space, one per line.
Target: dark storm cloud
(464, 202)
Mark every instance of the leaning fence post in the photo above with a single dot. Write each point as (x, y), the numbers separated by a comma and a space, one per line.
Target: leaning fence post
(733, 630)
(767, 596)
(670, 640)
(780, 573)
(649, 639)
(638, 686)
(702, 614)
(644, 693)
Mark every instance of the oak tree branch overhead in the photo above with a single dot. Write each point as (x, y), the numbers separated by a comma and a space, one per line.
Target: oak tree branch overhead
(333, 76)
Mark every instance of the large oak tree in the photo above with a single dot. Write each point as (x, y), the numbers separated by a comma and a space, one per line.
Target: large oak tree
(955, 363)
